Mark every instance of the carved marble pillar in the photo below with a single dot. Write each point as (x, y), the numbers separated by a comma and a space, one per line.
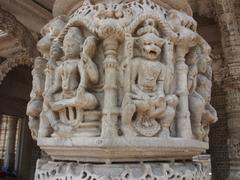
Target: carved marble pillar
(230, 42)
(9, 155)
(3, 134)
(18, 145)
(110, 109)
(125, 76)
(184, 124)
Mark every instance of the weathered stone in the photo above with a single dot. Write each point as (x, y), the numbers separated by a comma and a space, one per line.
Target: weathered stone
(122, 81)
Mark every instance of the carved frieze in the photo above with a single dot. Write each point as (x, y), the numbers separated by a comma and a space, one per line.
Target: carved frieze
(155, 171)
(121, 74)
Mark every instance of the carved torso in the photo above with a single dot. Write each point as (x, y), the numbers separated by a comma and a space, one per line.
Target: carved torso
(70, 77)
(204, 86)
(148, 73)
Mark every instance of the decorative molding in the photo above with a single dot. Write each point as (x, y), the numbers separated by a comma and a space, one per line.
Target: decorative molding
(47, 170)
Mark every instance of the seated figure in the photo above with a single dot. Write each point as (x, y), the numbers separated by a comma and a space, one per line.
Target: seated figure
(146, 103)
(68, 96)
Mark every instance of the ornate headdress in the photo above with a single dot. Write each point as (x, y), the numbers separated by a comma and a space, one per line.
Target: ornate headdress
(149, 27)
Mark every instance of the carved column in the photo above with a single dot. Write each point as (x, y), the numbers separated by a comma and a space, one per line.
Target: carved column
(230, 42)
(233, 114)
(125, 88)
(9, 155)
(18, 145)
(3, 138)
(184, 124)
(110, 109)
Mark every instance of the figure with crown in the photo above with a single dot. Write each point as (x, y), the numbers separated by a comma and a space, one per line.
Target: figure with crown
(146, 109)
(68, 98)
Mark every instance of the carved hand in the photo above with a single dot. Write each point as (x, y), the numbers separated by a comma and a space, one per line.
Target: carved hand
(80, 91)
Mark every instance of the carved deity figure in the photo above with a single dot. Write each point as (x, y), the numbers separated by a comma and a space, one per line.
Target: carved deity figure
(35, 104)
(184, 25)
(146, 103)
(199, 85)
(68, 96)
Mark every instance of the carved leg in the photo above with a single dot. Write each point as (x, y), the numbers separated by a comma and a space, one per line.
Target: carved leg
(45, 129)
(127, 114)
(168, 117)
(33, 125)
(196, 109)
(196, 125)
(166, 122)
(206, 132)
(210, 114)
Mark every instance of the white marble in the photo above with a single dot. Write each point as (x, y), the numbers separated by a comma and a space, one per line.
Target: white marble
(118, 78)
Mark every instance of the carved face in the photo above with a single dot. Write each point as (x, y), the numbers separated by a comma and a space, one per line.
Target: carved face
(71, 48)
(202, 65)
(72, 43)
(151, 46)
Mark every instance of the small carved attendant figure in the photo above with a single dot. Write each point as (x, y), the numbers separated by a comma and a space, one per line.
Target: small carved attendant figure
(199, 84)
(204, 87)
(195, 99)
(68, 95)
(35, 105)
(146, 103)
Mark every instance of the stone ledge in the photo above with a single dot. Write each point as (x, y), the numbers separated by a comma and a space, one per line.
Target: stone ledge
(121, 149)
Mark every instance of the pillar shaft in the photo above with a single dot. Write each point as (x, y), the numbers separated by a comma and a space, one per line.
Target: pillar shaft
(183, 125)
(110, 110)
(227, 20)
(9, 155)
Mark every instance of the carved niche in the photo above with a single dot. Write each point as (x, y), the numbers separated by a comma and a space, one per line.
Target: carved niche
(131, 74)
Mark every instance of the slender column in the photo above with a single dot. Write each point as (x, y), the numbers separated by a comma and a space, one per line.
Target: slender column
(233, 114)
(9, 155)
(110, 109)
(17, 145)
(183, 124)
(3, 134)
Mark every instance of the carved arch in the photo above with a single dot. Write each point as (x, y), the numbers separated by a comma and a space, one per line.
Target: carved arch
(17, 44)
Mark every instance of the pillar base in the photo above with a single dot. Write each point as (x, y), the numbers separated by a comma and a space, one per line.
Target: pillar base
(198, 168)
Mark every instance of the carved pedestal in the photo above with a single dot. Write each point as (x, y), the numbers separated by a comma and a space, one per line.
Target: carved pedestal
(121, 82)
